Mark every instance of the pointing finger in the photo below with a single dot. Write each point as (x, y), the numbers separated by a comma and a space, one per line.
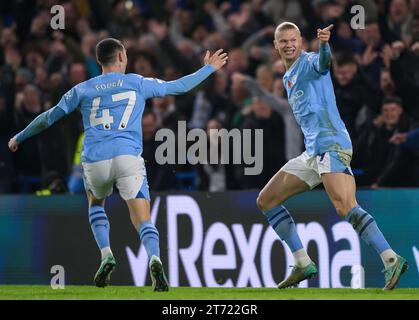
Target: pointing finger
(330, 27)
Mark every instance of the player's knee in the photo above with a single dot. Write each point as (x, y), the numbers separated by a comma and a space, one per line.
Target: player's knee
(93, 201)
(265, 203)
(342, 208)
(96, 202)
(260, 202)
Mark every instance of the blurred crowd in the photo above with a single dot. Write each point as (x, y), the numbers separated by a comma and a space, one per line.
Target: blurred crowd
(375, 71)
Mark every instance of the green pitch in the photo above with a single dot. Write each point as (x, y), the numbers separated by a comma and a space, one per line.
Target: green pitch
(120, 292)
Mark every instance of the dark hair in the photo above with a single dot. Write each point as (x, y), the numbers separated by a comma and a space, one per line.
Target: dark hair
(392, 99)
(344, 57)
(107, 49)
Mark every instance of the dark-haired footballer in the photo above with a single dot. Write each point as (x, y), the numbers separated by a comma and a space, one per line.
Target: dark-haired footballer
(112, 105)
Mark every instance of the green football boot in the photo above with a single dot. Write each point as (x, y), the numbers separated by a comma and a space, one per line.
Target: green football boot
(392, 274)
(297, 275)
(158, 277)
(103, 275)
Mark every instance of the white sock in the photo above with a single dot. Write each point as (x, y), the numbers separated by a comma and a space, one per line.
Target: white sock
(105, 251)
(301, 258)
(389, 257)
(154, 258)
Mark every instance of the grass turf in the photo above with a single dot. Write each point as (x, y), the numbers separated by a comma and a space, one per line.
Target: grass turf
(9, 292)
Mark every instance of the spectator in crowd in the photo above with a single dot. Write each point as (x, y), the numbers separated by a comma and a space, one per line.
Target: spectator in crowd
(6, 160)
(211, 102)
(372, 46)
(27, 162)
(343, 38)
(160, 177)
(395, 25)
(404, 67)
(213, 176)
(387, 85)
(166, 112)
(293, 134)
(167, 40)
(261, 116)
(373, 151)
(353, 92)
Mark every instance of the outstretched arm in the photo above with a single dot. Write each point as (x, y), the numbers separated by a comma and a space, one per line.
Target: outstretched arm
(158, 88)
(68, 103)
(324, 51)
(40, 123)
(188, 82)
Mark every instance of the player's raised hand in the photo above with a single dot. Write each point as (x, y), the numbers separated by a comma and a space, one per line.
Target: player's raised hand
(217, 60)
(324, 34)
(13, 145)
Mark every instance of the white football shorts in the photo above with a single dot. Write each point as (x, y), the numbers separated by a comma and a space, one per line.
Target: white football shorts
(127, 172)
(309, 169)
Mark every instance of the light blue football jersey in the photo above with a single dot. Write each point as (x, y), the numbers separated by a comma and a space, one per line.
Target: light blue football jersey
(112, 105)
(313, 103)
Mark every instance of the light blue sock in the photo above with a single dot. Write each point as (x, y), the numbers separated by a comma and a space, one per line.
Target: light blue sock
(100, 225)
(367, 228)
(283, 224)
(150, 238)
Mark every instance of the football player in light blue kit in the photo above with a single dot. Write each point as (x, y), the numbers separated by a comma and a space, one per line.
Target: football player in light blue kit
(326, 159)
(112, 105)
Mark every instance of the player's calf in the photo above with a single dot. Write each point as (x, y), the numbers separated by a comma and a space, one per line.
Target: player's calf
(100, 227)
(150, 238)
(284, 226)
(367, 228)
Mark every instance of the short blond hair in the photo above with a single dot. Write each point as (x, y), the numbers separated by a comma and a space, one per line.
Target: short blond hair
(286, 26)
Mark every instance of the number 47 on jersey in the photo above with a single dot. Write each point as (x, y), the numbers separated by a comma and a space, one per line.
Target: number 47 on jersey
(106, 119)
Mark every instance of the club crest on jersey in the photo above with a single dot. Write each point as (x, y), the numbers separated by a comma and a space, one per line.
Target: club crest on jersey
(292, 81)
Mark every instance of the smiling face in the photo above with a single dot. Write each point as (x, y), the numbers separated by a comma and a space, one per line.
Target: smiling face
(288, 42)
